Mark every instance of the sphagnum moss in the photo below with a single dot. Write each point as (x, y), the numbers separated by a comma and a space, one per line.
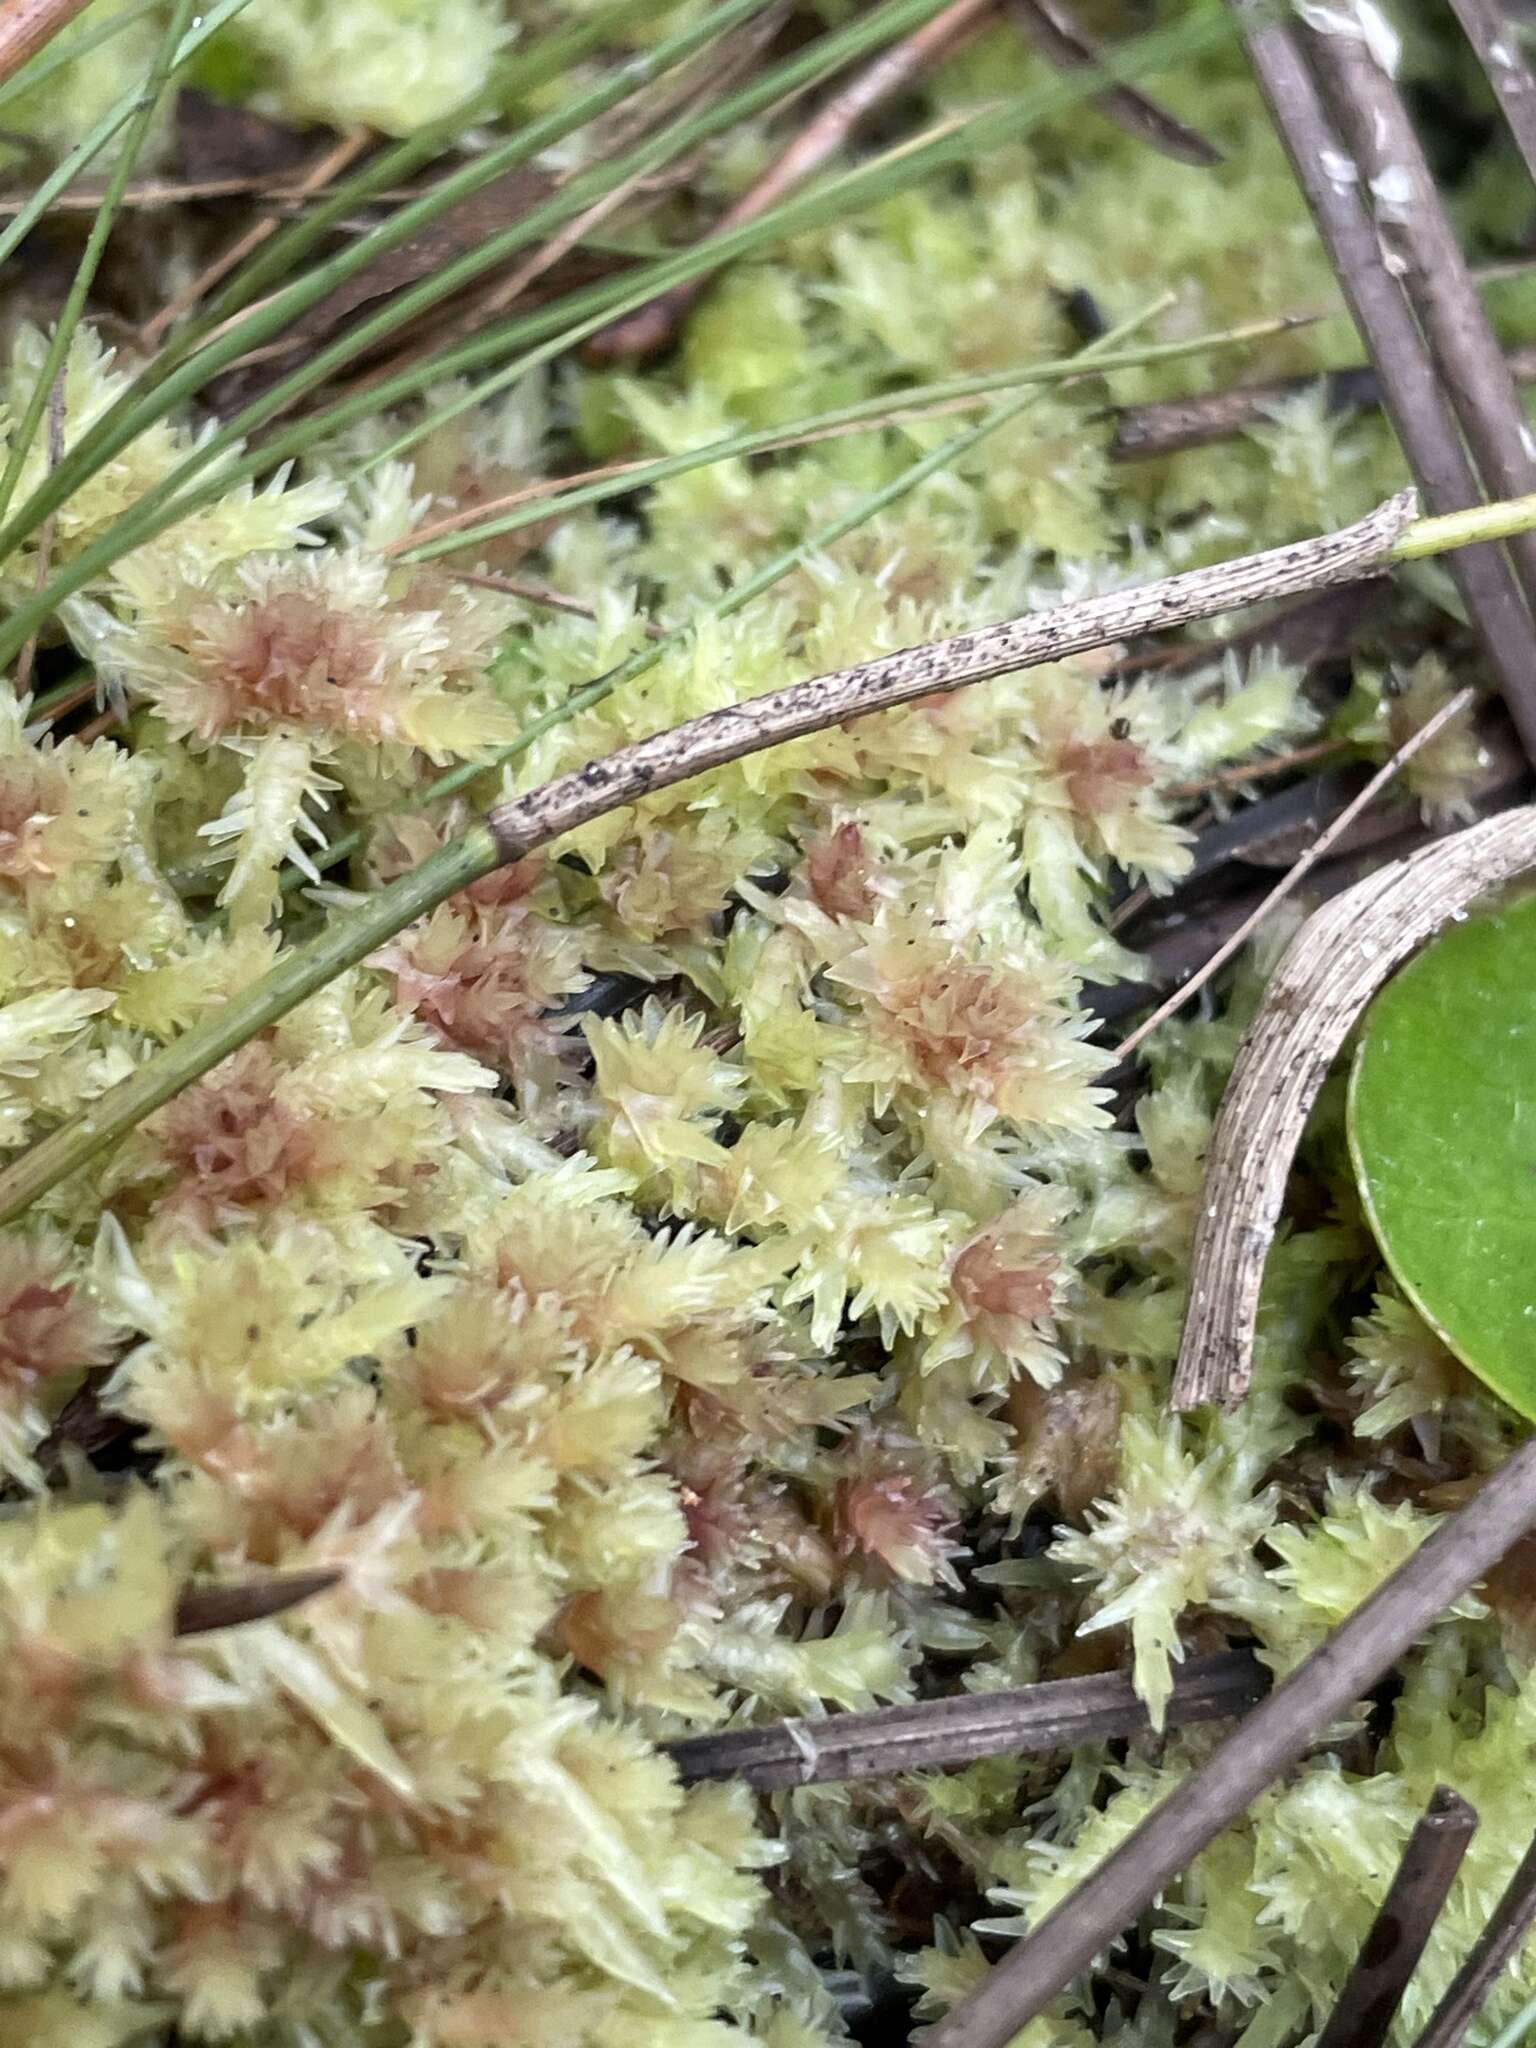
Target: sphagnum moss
(793, 1334)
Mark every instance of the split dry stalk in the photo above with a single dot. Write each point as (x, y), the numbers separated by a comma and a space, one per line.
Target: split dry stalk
(1330, 971)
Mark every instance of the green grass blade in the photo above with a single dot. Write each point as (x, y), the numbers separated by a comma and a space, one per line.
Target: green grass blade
(353, 935)
(65, 50)
(101, 132)
(515, 77)
(152, 397)
(162, 69)
(162, 506)
(871, 412)
(143, 405)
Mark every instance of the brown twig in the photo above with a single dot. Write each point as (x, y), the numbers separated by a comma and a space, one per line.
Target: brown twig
(1390, 1953)
(1470, 1987)
(1295, 876)
(201, 1608)
(151, 192)
(737, 730)
(1421, 248)
(1257, 771)
(27, 25)
(329, 165)
(1050, 26)
(947, 1733)
(1274, 1736)
(1488, 29)
(651, 327)
(538, 593)
(1332, 968)
(1415, 402)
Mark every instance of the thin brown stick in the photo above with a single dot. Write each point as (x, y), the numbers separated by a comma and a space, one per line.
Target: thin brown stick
(1059, 37)
(539, 593)
(27, 25)
(1410, 384)
(1488, 29)
(651, 327)
(1279, 1731)
(1258, 771)
(944, 1734)
(812, 706)
(152, 192)
(201, 1608)
(55, 455)
(1422, 249)
(1390, 1953)
(1330, 971)
(328, 166)
(1470, 1987)
(1295, 876)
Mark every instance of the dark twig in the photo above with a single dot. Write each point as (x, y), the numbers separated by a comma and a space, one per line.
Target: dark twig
(652, 327)
(1421, 247)
(201, 1608)
(1415, 402)
(1050, 26)
(1488, 30)
(946, 1733)
(1167, 426)
(1273, 1737)
(1390, 1954)
(1470, 1987)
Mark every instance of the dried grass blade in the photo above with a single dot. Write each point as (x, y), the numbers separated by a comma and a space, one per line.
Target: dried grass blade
(1330, 971)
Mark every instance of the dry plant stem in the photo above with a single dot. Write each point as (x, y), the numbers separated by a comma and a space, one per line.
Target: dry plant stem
(1051, 27)
(1278, 1731)
(1470, 1987)
(728, 734)
(1489, 31)
(516, 828)
(1410, 384)
(1330, 971)
(26, 25)
(1257, 771)
(538, 593)
(650, 328)
(331, 163)
(1420, 242)
(1391, 1951)
(201, 1608)
(1296, 875)
(944, 1734)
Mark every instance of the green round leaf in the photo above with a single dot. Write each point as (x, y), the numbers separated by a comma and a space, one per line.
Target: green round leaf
(1442, 1127)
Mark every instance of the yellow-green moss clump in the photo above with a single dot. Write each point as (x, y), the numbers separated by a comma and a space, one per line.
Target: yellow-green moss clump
(697, 1274)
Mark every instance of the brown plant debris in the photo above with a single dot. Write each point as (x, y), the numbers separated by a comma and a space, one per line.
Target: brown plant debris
(944, 1734)
(1390, 1953)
